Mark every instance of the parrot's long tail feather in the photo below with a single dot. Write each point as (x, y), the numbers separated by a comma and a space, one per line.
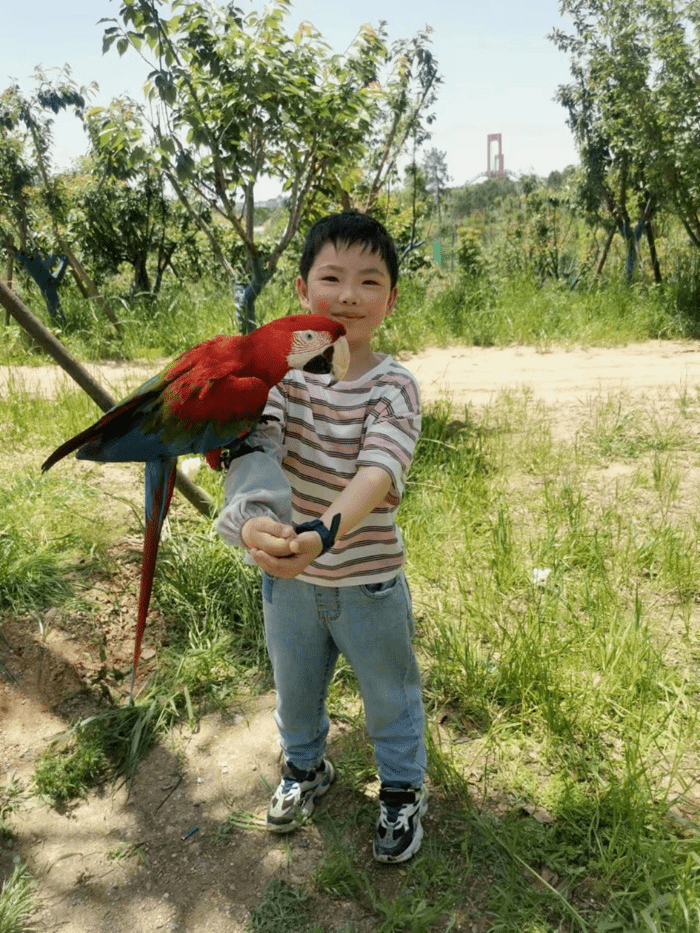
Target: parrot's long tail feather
(160, 482)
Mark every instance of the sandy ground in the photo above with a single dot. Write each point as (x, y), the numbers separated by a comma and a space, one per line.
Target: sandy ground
(474, 375)
(152, 860)
(468, 374)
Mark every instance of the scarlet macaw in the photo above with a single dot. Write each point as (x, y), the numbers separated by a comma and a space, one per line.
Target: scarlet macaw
(209, 399)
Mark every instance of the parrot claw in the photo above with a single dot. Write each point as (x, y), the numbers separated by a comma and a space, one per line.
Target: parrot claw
(230, 454)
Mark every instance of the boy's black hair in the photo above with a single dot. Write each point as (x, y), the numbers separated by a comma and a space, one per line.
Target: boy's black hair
(349, 228)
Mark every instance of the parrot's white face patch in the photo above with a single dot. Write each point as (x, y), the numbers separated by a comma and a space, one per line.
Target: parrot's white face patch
(310, 341)
(309, 344)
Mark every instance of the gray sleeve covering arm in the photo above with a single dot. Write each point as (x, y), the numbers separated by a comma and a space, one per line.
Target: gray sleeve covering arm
(255, 485)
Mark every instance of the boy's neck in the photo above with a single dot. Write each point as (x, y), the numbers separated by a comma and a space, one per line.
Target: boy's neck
(362, 361)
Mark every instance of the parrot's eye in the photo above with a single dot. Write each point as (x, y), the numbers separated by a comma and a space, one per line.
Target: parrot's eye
(309, 336)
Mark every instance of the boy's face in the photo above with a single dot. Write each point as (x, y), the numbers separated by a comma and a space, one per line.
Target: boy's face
(350, 285)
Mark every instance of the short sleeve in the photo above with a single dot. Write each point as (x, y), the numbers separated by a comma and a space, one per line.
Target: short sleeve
(393, 429)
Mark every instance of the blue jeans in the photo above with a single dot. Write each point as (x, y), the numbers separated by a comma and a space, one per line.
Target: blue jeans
(306, 627)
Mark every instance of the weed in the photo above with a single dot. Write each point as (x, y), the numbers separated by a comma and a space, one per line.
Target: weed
(128, 850)
(11, 797)
(65, 773)
(105, 744)
(618, 430)
(17, 902)
(213, 602)
(338, 874)
(283, 907)
(240, 821)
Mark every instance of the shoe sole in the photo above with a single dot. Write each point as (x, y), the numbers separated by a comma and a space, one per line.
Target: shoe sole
(306, 808)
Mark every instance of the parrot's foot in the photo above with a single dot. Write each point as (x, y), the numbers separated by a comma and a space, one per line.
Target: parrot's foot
(295, 798)
(228, 454)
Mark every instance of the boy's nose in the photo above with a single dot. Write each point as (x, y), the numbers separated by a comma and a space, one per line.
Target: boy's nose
(348, 295)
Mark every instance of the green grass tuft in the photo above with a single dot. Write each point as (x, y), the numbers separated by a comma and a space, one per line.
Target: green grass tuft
(17, 902)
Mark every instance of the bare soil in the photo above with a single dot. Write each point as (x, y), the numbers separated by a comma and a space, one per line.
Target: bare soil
(152, 859)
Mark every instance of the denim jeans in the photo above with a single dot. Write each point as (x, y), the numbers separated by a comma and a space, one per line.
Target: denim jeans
(306, 627)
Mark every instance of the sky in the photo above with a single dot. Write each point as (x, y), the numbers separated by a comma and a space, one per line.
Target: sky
(500, 72)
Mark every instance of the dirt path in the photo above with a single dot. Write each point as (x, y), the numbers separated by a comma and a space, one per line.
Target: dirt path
(466, 374)
(152, 860)
(476, 374)
(49, 379)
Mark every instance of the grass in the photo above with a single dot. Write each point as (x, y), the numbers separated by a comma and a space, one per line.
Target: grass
(482, 314)
(17, 902)
(10, 802)
(579, 697)
(431, 310)
(563, 707)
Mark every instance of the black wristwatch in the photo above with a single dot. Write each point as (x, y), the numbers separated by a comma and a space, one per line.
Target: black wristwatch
(327, 535)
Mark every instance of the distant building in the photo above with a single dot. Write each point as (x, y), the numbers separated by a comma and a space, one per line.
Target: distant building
(494, 161)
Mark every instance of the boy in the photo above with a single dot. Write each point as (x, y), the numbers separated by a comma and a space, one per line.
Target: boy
(344, 452)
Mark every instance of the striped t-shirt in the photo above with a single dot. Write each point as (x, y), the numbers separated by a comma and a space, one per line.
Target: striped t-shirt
(328, 432)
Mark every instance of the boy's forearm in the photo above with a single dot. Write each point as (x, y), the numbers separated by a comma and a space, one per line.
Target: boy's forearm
(365, 491)
(362, 495)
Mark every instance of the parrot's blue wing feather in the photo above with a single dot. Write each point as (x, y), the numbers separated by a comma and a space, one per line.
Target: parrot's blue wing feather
(135, 446)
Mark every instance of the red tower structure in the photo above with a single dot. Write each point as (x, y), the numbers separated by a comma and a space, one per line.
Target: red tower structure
(494, 163)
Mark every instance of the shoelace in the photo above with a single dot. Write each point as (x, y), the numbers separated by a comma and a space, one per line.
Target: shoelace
(393, 815)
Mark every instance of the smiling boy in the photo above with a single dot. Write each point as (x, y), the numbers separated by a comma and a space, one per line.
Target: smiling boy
(335, 458)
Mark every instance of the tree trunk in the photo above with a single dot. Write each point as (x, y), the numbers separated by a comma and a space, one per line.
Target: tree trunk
(165, 254)
(86, 285)
(606, 250)
(48, 342)
(259, 277)
(631, 246)
(651, 240)
(10, 277)
(142, 283)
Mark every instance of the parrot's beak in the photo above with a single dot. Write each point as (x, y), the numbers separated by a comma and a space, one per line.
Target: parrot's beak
(341, 359)
(334, 361)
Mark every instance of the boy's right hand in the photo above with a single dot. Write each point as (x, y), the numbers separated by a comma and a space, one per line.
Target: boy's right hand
(267, 534)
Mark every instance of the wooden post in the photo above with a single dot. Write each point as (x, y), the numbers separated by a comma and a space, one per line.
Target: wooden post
(53, 346)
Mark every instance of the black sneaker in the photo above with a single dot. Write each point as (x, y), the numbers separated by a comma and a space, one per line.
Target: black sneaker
(294, 800)
(399, 833)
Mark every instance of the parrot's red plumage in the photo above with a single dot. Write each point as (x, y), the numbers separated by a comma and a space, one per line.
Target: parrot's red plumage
(209, 399)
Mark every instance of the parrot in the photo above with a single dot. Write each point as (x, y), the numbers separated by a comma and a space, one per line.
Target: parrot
(205, 402)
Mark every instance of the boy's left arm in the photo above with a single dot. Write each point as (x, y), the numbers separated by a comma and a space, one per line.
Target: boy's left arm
(365, 491)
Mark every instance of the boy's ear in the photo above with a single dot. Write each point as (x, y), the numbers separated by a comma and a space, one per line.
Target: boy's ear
(393, 295)
(303, 293)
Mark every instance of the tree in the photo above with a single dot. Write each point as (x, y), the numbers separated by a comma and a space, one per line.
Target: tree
(488, 195)
(29, 193)
(400, 116)
(635, 111)
(121, 212)
(235, 98)
(26, 190)
(609, 64)
(436, 174)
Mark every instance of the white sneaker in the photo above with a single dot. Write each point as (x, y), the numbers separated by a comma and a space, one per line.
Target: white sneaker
(399, 832)
(295, 798)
